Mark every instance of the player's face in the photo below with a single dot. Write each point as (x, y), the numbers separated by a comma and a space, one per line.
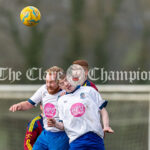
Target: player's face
(65, 85)
(62, 84)
(51, 82)
(76, 73)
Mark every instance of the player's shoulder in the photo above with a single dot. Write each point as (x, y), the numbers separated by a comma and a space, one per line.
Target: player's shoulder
(61, 98)
(93, 85)
(35, 119)
(42, 88)
(32, 125)
(90, 82)
(86, 88)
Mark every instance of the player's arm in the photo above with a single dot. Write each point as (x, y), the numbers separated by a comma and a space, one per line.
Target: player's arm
(53, 123)
(101, 104)
(25, 105)
(27, 141)
(105, 120)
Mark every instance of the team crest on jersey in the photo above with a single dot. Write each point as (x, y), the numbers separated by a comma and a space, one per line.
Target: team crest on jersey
(82, 95)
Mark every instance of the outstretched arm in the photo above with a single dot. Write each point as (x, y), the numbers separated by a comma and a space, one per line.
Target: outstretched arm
(105, 120)
(25, 105)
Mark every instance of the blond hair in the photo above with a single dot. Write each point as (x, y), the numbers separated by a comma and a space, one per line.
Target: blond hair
(55, 70)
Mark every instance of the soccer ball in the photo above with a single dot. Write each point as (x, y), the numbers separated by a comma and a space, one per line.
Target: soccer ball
(30, 16)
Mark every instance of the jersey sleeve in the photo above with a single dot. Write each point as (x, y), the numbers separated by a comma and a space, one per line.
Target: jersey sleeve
(30, 138)
(37, 97)
(27, 141)
(96, 97)
(32, 133)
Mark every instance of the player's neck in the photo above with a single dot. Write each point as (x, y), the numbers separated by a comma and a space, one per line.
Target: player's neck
(52, 92)
(73, 90)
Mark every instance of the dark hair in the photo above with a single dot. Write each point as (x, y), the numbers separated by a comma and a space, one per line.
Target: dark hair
(82, 63)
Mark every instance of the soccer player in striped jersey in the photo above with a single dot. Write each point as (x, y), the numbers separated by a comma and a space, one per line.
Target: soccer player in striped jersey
(34, 129)
(51, 138)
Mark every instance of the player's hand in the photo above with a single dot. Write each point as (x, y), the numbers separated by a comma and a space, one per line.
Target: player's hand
(15, 107)
(108, 130)
(51, 122)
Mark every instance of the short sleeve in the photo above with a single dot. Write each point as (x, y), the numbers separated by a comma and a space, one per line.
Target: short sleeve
(37, 97)
(96, 97)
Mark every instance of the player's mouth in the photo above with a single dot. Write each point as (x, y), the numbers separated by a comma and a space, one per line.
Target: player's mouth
(75, 79)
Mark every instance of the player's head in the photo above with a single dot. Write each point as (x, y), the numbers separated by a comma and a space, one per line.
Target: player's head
(64, 84)
(83, 64)
(52, 76)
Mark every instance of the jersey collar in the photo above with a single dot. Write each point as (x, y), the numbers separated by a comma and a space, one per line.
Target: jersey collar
(85, 82)
(74, 90)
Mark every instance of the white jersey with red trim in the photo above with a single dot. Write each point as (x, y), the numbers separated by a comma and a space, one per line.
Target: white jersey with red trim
(49, 103)
(80, 112)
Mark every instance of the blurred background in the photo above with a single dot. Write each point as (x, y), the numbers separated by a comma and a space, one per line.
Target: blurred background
(109, 34)
(112, 34)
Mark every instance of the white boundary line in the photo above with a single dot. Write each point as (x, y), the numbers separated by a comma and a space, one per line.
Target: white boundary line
(109, 92)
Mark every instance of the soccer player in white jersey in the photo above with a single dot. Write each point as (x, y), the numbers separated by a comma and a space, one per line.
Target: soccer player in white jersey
(84, 64)
(79, 110)
(51, 138)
